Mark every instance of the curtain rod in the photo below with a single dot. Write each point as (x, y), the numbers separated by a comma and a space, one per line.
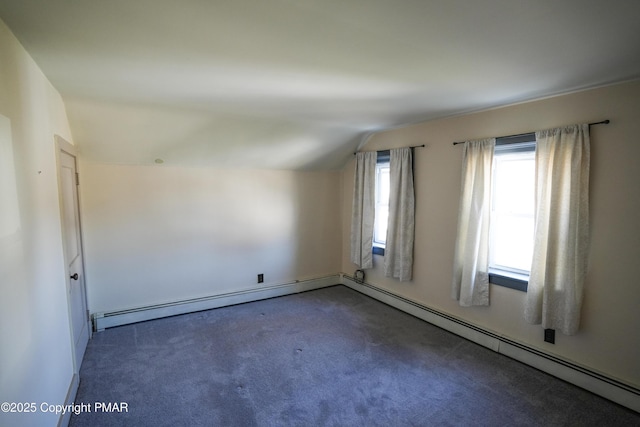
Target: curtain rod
(604, 122)
(377, 151)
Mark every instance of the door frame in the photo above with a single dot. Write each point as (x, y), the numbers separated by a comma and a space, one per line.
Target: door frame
(62, 145)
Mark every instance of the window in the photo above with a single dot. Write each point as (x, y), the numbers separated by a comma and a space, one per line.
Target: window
(512, 211)
(382, 203)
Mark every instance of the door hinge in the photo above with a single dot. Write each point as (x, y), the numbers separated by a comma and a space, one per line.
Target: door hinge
(88, 316)
(77, 178)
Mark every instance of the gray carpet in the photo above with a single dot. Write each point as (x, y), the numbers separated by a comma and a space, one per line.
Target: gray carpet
(330, 357)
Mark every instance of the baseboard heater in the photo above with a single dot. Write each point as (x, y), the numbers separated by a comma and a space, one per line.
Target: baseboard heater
(595, 382)
(101, 321)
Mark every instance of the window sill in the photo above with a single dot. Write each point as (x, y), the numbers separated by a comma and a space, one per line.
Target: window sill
(507, 279)
(378, 250)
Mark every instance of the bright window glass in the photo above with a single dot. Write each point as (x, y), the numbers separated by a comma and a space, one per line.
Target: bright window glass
(382, 204)
(512, 213)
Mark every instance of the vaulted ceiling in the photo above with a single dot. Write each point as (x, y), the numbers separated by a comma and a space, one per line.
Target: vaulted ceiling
(299, 84)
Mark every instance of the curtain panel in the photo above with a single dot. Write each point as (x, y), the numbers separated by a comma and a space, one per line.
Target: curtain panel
(362, 214)
(554, 295)
(398, 255)
(471, 260)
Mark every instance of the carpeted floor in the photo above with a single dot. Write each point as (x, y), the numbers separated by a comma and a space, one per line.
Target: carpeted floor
(330, 357)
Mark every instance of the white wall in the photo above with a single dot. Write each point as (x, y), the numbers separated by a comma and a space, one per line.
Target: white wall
(608, 339)
(35, 345)
(161, 233)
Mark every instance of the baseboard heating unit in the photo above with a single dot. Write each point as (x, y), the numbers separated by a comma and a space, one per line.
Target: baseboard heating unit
(595, 382)
(101, 321)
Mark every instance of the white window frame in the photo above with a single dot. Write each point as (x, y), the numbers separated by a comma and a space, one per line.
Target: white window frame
(508, 276)
(379, 242)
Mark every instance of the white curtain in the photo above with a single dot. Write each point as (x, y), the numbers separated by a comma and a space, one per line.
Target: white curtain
(362, 215)
(554, 294)
(471, 263)
(398, 253)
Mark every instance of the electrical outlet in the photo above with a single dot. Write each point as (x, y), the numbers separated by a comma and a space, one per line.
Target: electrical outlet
(260, 278)
(550, 335)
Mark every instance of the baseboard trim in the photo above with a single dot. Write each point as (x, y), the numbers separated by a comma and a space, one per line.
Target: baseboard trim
(101, 321)
(65, 418)
(595, 382)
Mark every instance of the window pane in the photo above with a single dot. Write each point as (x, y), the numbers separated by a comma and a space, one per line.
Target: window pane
(512, 242)
(514, 185)
(382, 204)
(384, 185)
(513, 202)
(382, 217)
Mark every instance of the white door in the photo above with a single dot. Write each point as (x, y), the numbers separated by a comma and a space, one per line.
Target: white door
(73, 252)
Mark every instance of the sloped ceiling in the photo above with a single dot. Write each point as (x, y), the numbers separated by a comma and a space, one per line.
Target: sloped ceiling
(299, 84)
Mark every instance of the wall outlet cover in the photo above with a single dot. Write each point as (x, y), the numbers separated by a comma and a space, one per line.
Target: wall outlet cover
(550, 336)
